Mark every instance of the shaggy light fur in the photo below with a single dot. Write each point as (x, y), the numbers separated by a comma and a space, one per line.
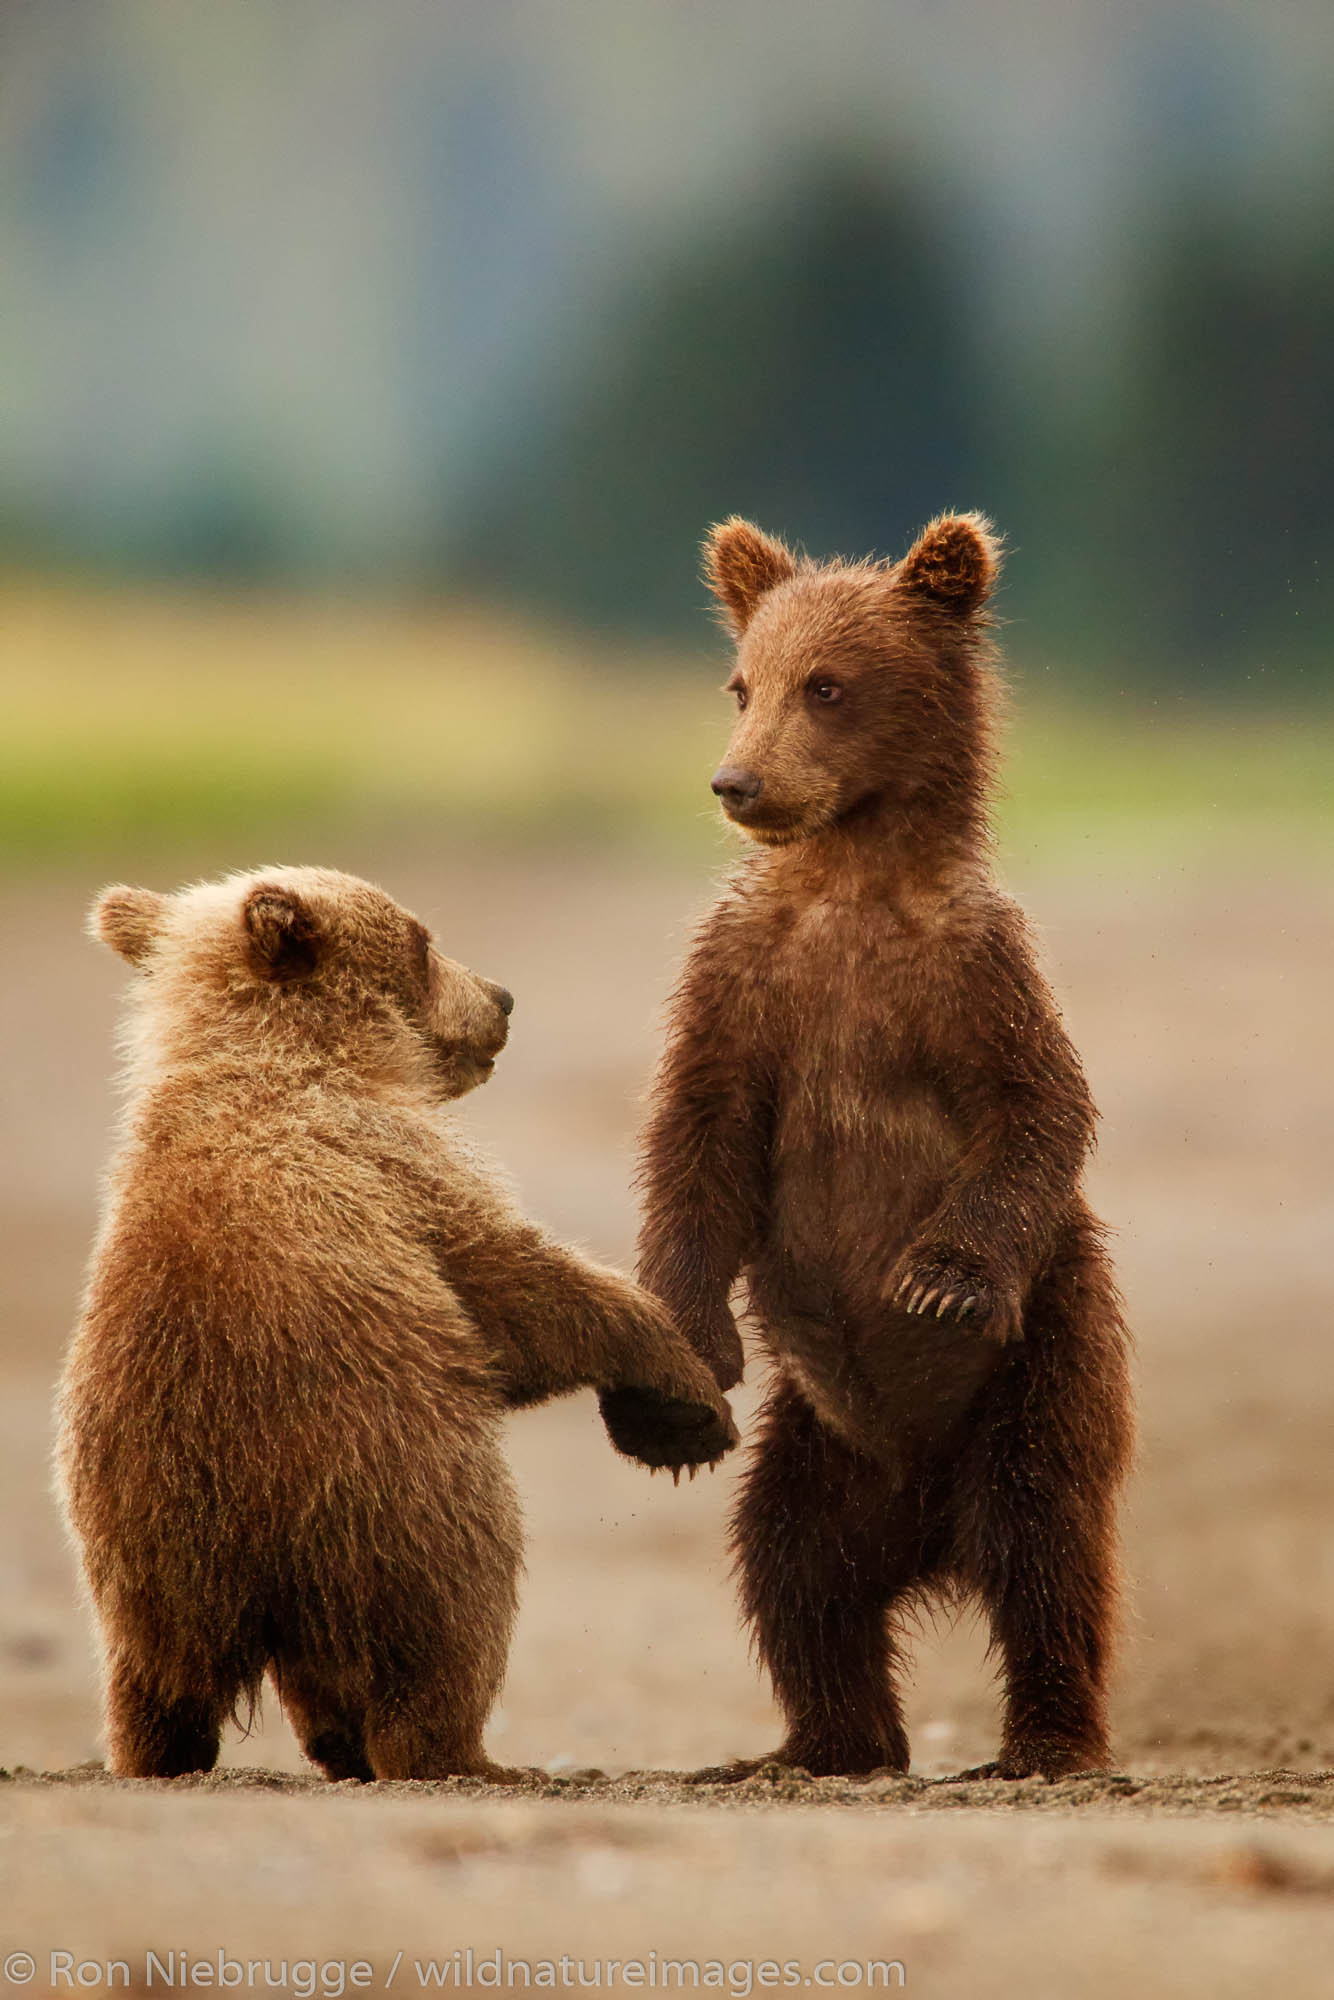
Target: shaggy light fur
(309, 1306)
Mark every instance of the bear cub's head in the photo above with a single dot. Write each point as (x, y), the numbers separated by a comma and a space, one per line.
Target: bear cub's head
(854, 682)
(300, 963)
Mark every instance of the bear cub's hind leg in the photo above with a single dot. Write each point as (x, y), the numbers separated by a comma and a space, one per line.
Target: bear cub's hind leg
(825, 1547)
(432, 1728)
(151, 1734)
(1038, 1488)
(330, 1728)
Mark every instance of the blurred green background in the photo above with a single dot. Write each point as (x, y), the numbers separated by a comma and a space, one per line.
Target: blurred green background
(369, 373)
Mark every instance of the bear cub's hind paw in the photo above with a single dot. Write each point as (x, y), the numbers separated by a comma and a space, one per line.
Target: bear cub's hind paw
(665, 1430)
(1051, 1761)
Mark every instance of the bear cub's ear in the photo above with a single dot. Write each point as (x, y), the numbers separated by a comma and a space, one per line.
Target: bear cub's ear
(283, 933)
(955, 562)
(129, 920)
(741, 564)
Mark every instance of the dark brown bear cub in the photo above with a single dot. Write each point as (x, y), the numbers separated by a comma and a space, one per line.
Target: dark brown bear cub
(309, 1306)
(869, 1112)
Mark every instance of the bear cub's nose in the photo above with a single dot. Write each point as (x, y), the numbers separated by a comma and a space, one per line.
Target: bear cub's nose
(503, 998)
(736, 787)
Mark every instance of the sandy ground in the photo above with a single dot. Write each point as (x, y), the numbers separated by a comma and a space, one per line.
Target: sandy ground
(1201, 999)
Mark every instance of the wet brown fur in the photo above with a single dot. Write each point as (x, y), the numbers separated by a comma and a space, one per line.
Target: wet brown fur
(308, 1309)
(868, 1111)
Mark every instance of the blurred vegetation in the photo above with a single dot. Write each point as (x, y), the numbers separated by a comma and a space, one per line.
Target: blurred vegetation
(816, 359)
(1200, 507)
(180, 731)
(513, 302)
(805, 359)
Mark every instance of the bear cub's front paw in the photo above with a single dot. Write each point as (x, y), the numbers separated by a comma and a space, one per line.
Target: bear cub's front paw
(718, 1345)
(948, 1284)
(666, 1430)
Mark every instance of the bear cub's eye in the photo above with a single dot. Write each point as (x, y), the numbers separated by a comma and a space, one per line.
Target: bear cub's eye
(741, 695)
(824, 690)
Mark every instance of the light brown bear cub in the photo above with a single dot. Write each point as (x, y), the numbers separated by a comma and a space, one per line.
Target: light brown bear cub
(308, 1308)
(869, 1112)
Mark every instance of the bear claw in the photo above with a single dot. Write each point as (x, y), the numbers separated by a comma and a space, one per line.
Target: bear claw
(956, 1294)
(666, 1432)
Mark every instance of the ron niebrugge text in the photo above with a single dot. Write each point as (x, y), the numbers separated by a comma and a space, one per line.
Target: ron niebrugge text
(328, 1979)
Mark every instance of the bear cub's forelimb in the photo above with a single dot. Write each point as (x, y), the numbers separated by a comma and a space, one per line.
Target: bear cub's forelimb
(703, 1162)
(556, 1322)
(1031, 1122)
(684, 1269)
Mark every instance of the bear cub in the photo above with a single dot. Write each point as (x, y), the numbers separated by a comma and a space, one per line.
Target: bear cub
(869, 1113)
(309, 1307)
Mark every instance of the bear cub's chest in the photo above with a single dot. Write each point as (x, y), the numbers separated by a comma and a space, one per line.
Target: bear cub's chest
(847, 987)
